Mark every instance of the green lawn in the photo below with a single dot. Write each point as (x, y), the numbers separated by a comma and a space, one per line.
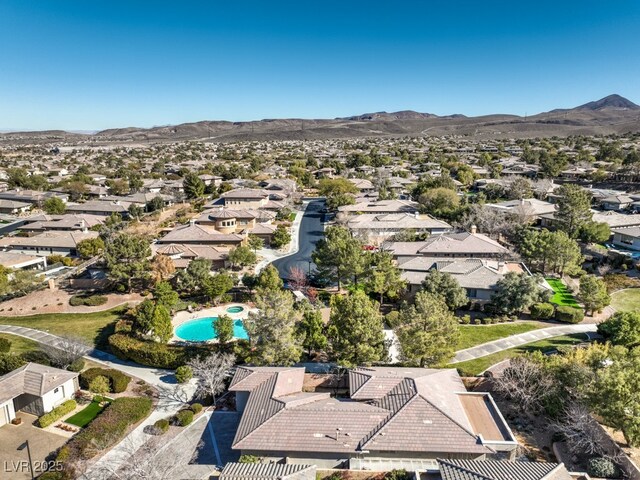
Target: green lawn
(479, 365)
(472, 335)
(84, 416)
(92, 327)
(20, 345)
(562, 296)
(626, 300)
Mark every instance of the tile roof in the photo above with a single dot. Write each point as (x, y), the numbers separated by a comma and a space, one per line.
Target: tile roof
(393, 401)
(55, 239)
(501, 470)
(32, 378)
(268, 471)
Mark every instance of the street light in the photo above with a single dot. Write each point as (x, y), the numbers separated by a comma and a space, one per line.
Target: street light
(22, 447)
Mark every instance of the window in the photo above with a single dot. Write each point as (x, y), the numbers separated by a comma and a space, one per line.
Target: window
(472, 292)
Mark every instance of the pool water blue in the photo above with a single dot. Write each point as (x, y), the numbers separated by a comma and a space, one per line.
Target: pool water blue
(201, 330)
(236, 309)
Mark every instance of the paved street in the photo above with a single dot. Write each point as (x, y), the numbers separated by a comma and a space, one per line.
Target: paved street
(520, 339)
(311, 230)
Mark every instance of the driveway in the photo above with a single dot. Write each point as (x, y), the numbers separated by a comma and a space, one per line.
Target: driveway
(311, 230)
(14, 463)
(520, 339)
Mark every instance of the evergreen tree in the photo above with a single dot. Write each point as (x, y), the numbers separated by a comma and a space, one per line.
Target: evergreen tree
(428, 331)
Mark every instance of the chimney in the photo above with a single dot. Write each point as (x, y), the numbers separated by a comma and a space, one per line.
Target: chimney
(474, 229)
(501, 266)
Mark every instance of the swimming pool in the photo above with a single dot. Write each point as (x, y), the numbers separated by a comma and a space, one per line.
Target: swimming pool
(201, 330)
(235, 309)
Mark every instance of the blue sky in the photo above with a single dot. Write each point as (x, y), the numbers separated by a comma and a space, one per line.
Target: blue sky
(97, 64)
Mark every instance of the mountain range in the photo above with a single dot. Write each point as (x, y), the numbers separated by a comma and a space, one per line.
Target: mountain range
(609, 115)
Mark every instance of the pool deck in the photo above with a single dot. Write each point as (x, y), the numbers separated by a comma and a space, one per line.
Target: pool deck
(186, 316)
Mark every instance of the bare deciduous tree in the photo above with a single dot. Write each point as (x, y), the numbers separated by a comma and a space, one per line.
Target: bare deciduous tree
(211, 373)
(65, 351)
(581, 431)
(297, 278)
(525, 382)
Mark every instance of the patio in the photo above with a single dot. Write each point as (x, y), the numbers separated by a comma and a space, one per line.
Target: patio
(41, 443)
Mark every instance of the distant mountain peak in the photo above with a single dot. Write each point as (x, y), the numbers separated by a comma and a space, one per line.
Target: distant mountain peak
(611, 101)
(401, 115)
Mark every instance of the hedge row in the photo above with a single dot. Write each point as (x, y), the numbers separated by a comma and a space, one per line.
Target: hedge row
(57, 413)
(107, 429)
(89, 301)
(118, 381)
(151, 354)
(542, 311)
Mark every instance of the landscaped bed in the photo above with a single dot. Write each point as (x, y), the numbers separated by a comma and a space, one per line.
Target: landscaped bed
(479, 365)
(626, 300)
(561, 294)
(86, 415)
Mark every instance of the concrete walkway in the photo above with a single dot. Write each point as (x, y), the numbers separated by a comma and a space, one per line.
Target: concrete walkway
(521, 339)
(171, 397)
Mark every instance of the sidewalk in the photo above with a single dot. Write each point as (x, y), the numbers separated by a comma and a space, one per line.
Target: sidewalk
(520, 339)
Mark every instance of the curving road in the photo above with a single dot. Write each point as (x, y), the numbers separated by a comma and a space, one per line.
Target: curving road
(311, 230)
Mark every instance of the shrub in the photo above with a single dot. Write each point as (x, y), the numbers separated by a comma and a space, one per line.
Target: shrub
(603, 468)
(51, 476)
(109, 427)
(161, 426)
(89, 301)
(248, 459)
(58, 412)
(569, 314)
(9, 362)
(77, 365)
(196, 408)
(5, 345)
(400, 474)
(99, 384)
(542, 311)
(118, 381)
(465, 320)
(184, 374)
(393, 319)
(147, 353)
(184, 417)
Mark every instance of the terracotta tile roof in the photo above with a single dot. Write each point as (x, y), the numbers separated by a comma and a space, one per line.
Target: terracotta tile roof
(394, 401)
(268, 471)
(500, 470)
(32, 378)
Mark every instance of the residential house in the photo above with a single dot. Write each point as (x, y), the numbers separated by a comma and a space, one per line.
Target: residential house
(32, 197)
(241, 221)
(48, 243)
(459, 469)
(35, 389)
(478, 276)
(21, 261)
(450, 245)
(377, 228)
(65, 222)
(528, 207)
(13, 207)
(628, 238)
(245, 198)
(100, 207)
(267, 471)
(363, 185)
(182, 254)
(193, 234)
(393, 414)
(616, 202)
(380, 207)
